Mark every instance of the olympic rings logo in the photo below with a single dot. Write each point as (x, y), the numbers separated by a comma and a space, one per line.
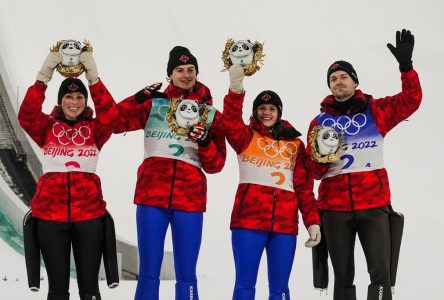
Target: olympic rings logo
(345, 124)
(163, 110)
(76, 136)
(272, 149)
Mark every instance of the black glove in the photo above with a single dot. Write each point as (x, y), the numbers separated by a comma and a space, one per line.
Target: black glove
(199, 134)
(149, 92)
(404, 49)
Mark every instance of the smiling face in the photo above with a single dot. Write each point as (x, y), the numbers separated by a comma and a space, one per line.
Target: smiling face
(184, 76)
(73, 105)
(267, 114)
(342, 85)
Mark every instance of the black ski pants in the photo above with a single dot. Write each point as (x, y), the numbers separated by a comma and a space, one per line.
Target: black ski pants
(372, 227)
(86, 239)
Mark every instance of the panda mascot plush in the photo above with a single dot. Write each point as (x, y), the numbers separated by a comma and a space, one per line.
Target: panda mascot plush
(241, 53)
(70, 50)
(187, 113)
(326, 144)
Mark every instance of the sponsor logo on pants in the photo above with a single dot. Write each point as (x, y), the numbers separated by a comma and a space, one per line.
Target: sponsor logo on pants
(381, 292)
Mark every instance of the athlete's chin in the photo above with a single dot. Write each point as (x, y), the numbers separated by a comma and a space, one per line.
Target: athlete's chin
(269, 124)
(185, 85)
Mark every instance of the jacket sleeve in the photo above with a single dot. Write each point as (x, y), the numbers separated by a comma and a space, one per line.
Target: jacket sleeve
(390, 111)
(303, 186)
(132, 115)
(30, 115)
(238, 133)
(316, 169)
(212, 156)
(106, 113)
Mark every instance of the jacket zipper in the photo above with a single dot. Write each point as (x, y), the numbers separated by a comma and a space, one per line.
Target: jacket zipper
(274, 208)
(172, 184)
(350, 191)
(69, 197)
(242, 200)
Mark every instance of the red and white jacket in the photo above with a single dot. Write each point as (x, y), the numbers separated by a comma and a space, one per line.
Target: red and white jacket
(267, 207)
(173, 183)
(68, 190)
(360, 190)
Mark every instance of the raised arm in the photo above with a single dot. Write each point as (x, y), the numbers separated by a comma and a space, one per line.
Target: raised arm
(104, 104)
(30, 114)
(135, 110)
(390, 111)
(238, 133)
(106, 112)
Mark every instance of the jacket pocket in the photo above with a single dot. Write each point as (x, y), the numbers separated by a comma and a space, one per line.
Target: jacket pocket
(142, 173)
(242, 200)
(44, 178)
(96, 181)
(204, 183)
(378, 175)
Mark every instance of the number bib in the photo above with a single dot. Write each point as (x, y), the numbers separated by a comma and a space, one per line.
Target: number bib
(363, 143)
(70, 149)
(160, 141)
(268, 162)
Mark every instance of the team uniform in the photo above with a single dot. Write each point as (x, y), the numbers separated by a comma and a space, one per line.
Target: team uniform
(274, 185)
(68, 203)
(171, 186)
(354, 194)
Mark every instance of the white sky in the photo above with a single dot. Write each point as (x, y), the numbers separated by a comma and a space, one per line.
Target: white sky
(131, 41)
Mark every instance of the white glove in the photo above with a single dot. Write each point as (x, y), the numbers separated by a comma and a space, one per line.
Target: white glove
(236, 77)
(315, 236)
(91, 74)
(47, 69)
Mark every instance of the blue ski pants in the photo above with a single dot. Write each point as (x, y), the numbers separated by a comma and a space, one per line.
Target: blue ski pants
(248, 246)
(186, 231)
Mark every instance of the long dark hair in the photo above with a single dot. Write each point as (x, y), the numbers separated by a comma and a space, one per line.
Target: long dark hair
(278, 131)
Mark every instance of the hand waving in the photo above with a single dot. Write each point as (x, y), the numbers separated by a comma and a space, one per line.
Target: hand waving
(404, 49)
(149, 92)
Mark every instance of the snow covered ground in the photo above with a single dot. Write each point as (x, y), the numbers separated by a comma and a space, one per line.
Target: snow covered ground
(131, 41)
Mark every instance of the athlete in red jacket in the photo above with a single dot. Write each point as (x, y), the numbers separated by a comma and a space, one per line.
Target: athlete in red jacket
(354, 194)
(68, 204)
(274, 185)
(183, 136)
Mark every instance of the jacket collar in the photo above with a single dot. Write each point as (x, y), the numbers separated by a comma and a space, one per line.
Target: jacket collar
(353, 105)
(260, 127)
(199, 92)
